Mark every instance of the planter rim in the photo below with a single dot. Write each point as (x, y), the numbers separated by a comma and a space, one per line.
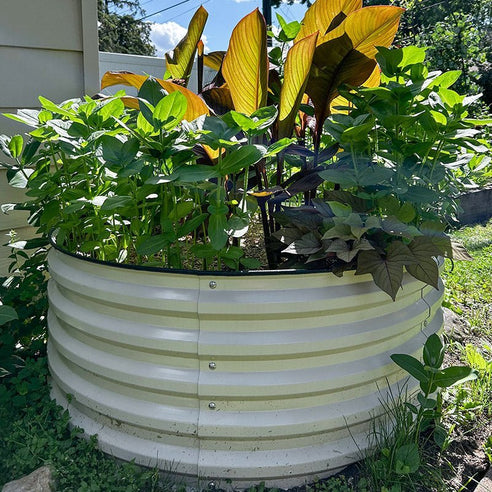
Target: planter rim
(209, 273)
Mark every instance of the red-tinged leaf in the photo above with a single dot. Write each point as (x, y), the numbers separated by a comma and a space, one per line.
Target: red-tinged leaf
(325, 15)
(179, 63)
(296, 73)
(245, 65)
(196, 107)
(346, 55)
(214, 59)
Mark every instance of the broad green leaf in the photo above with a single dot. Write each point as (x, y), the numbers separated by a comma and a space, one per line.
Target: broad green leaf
(190, 225)
(339, 209)
(245, 65)
(445, 80)
(196, 107)
(217, 227)
(7, 313)
(406, 213)
(111, 108)
(204, 251)
(394, 61)
(250, 263)
(170, 110)
(117, 202)
(454, 375)
(387, 272)
(15, 146)
(181, 210)
(413, 366)
(195, 173)
(117, 152)
(407, 459)
(396, 227)
(433, 353)
(151, 245)
(245, 156)
(346, 55)
(296, 73)
(180, 63)
(325, 15)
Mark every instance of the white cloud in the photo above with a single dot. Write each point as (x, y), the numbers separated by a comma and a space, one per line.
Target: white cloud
(167, 35)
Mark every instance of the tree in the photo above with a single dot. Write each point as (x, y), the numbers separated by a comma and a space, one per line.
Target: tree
(123, 32)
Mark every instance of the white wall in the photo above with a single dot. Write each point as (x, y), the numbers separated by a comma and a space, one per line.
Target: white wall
(48, 48)
(144, 65)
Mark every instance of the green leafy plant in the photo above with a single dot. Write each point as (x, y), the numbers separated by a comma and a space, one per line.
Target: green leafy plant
(340, 177)
(432, 378)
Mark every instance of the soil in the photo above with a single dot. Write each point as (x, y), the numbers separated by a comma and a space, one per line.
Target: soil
(465, 455)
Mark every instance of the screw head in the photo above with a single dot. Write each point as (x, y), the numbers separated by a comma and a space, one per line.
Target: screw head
(212, 405)
(212, 365)
(213, 284)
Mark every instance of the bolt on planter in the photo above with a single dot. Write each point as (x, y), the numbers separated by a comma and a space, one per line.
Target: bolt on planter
(246, 378)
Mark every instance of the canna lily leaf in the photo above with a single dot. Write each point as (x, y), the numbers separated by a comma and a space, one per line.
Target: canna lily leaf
(196, 107)
(296, 73)
(219, 99)
(180, 63)
(325, 15)
(245, 65)
(214, 60)
(346, 55)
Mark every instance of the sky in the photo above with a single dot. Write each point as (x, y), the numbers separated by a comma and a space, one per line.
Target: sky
(170, 26)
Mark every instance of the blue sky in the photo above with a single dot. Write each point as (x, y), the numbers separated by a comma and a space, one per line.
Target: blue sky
(170, 26)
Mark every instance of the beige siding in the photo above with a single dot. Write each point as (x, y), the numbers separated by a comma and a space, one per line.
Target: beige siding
(47, 48)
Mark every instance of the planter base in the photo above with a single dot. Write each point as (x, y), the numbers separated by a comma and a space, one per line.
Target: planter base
(274, 378)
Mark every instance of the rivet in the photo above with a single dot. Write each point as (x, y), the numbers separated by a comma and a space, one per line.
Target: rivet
(212, 485)
(212, 405)
(212, 365)
(213, 284)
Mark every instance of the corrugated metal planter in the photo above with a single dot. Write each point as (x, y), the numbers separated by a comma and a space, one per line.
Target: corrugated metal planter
(244, 378)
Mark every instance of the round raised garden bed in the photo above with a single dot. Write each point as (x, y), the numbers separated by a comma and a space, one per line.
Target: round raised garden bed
(247, 377)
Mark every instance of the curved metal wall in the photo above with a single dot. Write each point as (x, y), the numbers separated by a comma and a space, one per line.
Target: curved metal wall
(245, 379)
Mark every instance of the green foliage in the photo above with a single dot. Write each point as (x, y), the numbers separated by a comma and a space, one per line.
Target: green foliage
(35, 431)
(406, 148)
(23, 294)
(123, 33)
(401, 439)
(469, 287)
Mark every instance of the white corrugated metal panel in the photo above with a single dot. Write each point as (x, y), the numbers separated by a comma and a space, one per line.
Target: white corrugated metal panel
(250, 378)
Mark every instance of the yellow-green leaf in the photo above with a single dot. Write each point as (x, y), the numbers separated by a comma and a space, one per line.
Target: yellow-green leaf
(296, 72)
(245, 65)
(214, 60)
(346, 55)
(196, 107)
(179, 62)
(325, 15)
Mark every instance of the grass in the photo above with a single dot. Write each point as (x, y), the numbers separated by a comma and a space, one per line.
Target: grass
(34, 431)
